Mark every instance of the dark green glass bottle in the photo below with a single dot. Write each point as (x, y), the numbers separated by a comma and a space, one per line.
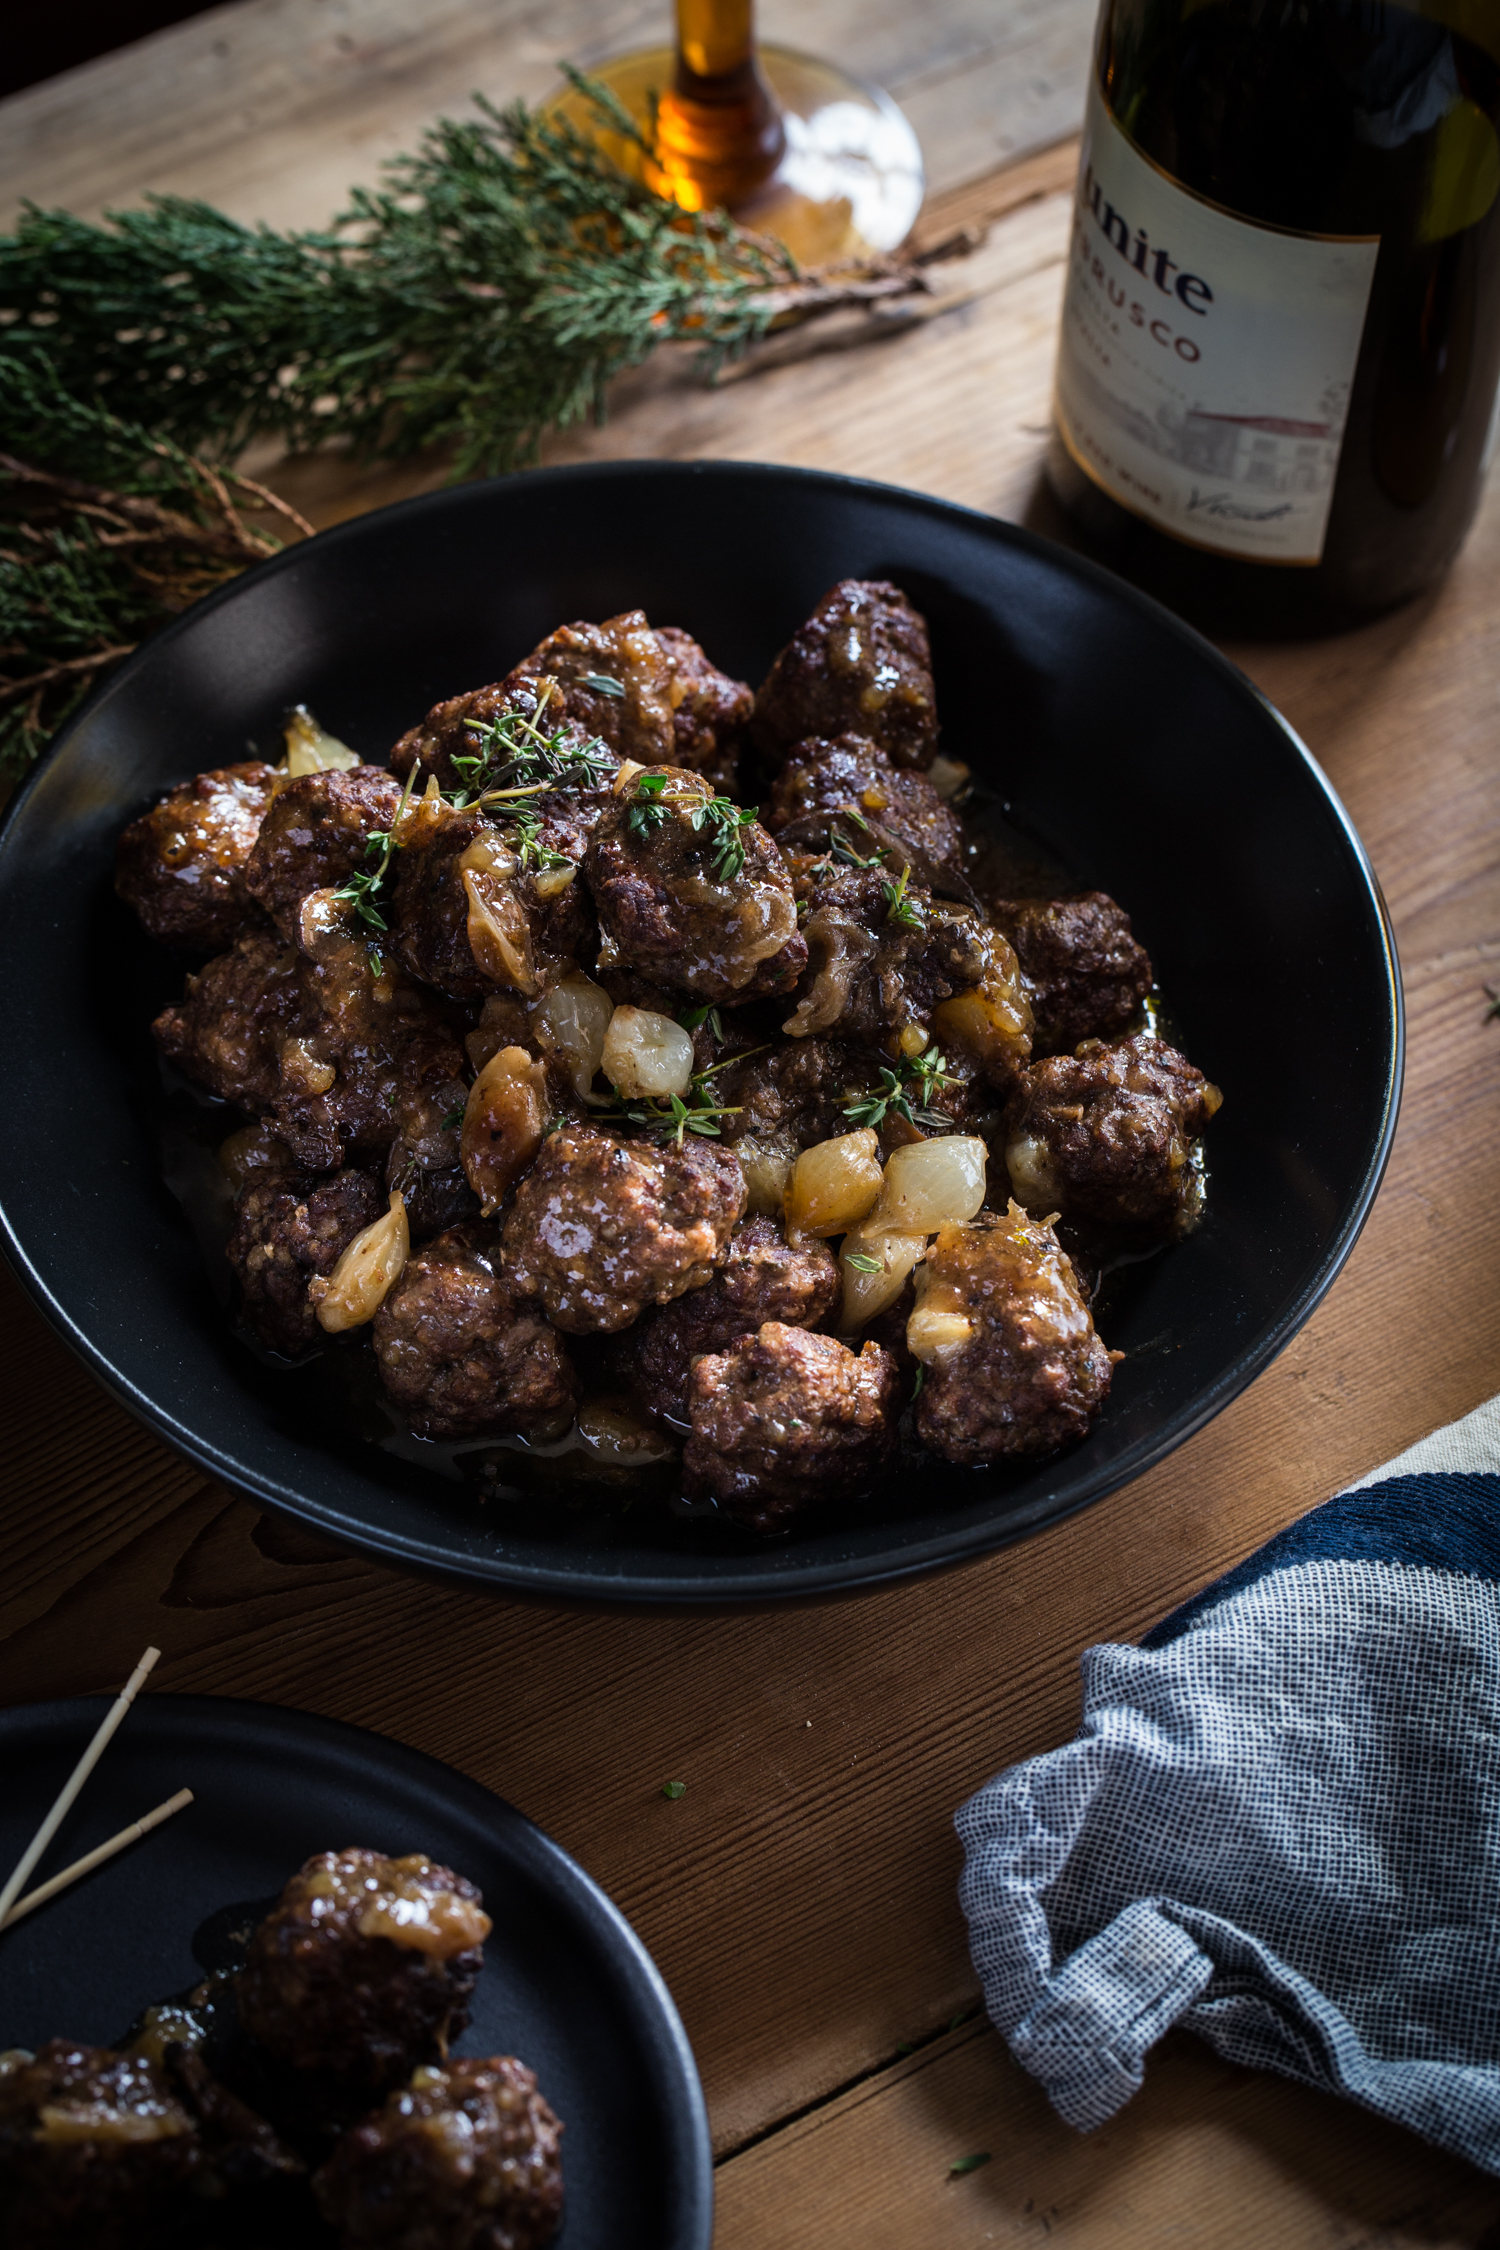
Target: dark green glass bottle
(1281, 334)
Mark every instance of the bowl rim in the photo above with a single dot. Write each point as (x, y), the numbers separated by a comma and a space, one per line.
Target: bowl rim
(735, 1581)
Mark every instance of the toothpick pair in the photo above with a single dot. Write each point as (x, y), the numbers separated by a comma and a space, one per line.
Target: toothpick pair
(12, 1905)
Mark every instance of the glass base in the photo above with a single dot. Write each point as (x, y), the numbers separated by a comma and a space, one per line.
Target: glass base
(849, 180)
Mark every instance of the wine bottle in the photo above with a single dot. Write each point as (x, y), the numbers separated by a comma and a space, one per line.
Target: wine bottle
(1276, 382)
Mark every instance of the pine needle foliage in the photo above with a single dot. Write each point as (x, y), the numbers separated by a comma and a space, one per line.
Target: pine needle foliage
(99, 550)
(488, 289)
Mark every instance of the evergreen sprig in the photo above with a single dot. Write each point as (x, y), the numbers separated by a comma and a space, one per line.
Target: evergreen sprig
(488, 289)
(106, 532)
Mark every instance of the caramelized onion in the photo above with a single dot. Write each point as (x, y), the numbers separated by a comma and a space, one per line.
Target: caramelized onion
(356, 1289)
(502, 1127)
(931, 1184)
(571, 1021)
(646, 1054)
(310, 750)
(893, 1256)
(834, 1184)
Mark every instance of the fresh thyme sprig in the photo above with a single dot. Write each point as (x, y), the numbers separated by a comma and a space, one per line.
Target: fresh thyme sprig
(921, 1075)
(525, 840)
(726, 822)
(515, 757)
(900, 906)
(363, 889)
(699, 1113)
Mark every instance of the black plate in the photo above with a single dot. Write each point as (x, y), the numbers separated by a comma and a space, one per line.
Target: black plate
(1124, 744)
(567, 1984)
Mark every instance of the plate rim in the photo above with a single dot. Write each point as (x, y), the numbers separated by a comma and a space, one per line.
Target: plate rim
(685, 2113)
(745, 1581)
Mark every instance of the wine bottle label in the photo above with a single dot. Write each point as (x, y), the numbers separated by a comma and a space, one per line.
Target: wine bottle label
(1205, 364)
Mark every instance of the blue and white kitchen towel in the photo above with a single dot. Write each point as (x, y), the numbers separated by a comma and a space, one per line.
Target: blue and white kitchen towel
(1279, 1823)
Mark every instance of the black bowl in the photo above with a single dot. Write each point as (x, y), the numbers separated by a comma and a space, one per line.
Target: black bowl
(1122, 743)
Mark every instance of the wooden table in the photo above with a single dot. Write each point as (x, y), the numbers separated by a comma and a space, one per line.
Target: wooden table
(800, 1897)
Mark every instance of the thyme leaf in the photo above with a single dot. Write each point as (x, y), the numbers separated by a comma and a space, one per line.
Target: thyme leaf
(863, 1262)
(365, 887)
(921, 1076)
(603, 684)
(900, 906)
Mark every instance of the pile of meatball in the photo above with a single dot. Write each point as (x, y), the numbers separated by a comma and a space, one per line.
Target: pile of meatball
(320, 2064)
(632, 1028)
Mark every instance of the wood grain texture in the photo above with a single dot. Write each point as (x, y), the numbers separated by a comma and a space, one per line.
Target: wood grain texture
(1207, 2157)
(800, 1897)
(273, 108)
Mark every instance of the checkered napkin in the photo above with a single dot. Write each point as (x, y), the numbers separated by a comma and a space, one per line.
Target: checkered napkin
(1279, 1823)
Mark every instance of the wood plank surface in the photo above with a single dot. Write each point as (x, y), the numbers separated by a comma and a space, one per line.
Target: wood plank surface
(272, 108)
(800, 1897)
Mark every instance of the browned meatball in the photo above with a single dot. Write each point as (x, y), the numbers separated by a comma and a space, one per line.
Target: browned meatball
(464, 2158)
(480, 905)
(314, 836)
(795, 1093)
(228, 1030)
(692, 891)
(614, 679)
(1030, 1375)
(855, 774)
(376, 1058)
(601, 1228)
(96, 2150)
(1107, 1138)
(784, 1419)
(364, 1968)
(762, 1278)
(461, 1354)
(182, 865)
(884, 954)
(288, 1227)
(860, 665)
(710, 711)
(1085, 974)
(610, 681)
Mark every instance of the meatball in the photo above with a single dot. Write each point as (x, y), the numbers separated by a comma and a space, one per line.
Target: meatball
(479, 906)
(1085, 974)
(1014, 1367)
(376, 1058)
(856, 775)
(609, 684)
(884, 955)
(710, 711)
(1106, 1137)
(601, 1228)
(692, 892)
(182, 865)
(860, 665)
(461, 1354)
(464, 2158)
(762, 1278)
(613, 679)
(363, 1969)
(784, 1419)
(96, 2150)
(228, 1030)
(289, 1226)
(314, 837)
(795, 1094)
